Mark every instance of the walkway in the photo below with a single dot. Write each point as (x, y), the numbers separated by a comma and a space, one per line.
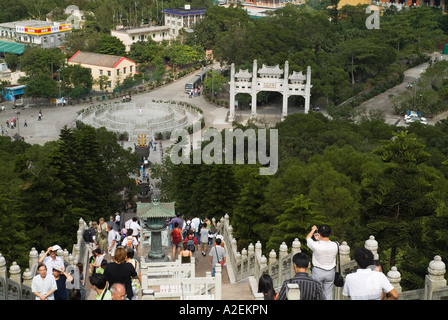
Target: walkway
(230, 291)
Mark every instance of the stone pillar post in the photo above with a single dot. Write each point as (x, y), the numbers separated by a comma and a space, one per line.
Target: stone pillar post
(233, 243)
(3, 268)
(250, 254)
(258, 248)
(272, 260)
(308, 89)
(218, 281)
(293, 291)
(257, 260)
(232, 93)
(263, 265)
(435, 278)
(254, 89)
(344, 253)
(34, 257)
(294, 249)
(27, 278)
(243, 261)
(285, 90)
(372, 245)
(14, 273)
(395, 277)
(283, 252)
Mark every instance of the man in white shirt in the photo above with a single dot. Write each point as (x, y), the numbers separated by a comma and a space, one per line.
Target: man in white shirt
(135, 227)
(196, 223)
(365, 283)
(324, 258)
(51, 259)
(44, 284)
(111, 240)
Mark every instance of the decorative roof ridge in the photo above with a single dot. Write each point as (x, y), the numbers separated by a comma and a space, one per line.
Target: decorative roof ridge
(270, 70)
(243, 74)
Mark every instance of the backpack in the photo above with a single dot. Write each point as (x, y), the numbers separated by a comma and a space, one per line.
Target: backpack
(130, 242)
(213, 229)
(190, 244)
(88, 235)
(176, 236)
(187, 229)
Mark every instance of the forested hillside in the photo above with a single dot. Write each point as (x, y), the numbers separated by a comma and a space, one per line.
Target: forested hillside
(362, 179)
(45, 190)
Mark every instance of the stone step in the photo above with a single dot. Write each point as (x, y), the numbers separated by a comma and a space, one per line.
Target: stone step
(237, 291)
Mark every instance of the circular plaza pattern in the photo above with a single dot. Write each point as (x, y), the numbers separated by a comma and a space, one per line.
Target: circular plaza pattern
(151, 119)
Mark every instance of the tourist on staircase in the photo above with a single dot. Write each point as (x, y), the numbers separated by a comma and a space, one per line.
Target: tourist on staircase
(121, 272)
(365, 283)
(175, 236)
(324, 257)
(51, 259)
(217, 255)
(266, 286)
(186, 254)
(43, 285)
(101, 235)
(135, 283)
(99, 285)
(310, 289)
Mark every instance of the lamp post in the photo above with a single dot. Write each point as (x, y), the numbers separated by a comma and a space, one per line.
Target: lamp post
(213, 82)
(18, 126)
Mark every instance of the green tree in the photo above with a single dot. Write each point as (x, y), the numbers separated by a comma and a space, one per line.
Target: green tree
(40, 85)
(295, 221)
(250, 222)
(397, 195)
(35, 61)
(111, 45)
(76, 81)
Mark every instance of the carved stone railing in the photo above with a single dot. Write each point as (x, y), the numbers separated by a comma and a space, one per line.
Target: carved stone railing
(250, 264)
(17, 286)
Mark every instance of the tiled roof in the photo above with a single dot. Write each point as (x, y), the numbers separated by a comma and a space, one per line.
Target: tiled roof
(156, 209)
(96, 59)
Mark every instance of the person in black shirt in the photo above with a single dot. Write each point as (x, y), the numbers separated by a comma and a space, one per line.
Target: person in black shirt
(309, 288)
(61, 279)
(121, 272)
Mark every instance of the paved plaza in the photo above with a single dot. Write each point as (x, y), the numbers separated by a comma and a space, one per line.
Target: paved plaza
(56, 117)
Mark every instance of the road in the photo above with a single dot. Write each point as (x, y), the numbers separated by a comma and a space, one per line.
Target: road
(383, 101)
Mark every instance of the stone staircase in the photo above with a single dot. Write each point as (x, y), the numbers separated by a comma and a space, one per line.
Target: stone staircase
(230, 290)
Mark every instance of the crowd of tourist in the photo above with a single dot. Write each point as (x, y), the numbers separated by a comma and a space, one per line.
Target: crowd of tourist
(367, 283)
(190, 236)
(114, 268)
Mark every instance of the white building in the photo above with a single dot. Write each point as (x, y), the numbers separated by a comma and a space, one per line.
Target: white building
(182, 18)
(37, 32)
(131, 35)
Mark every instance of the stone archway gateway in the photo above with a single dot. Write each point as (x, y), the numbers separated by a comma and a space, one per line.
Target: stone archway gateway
(269, 78)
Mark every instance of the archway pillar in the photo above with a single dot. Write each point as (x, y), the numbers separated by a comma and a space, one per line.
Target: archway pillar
(285, 90)
(232, 94)
(308, 89)
(253, 111)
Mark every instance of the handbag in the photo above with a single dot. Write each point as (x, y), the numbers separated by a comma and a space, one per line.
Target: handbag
(221, 262)
(338, 278)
